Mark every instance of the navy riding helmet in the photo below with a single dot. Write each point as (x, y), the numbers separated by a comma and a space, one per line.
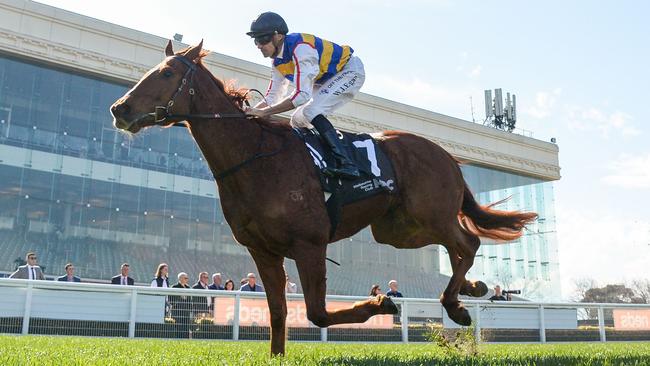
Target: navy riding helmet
(268, 23)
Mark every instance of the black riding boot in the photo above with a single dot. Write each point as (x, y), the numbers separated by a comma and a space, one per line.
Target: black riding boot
(346, 167)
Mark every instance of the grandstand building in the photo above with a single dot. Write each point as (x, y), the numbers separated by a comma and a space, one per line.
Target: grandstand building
(75, 190)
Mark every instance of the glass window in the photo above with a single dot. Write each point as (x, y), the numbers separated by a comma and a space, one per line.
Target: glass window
(180, 205)
(37, 184)
(67, 113)
(126, 197)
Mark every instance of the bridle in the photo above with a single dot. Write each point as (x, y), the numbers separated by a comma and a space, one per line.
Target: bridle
(162, 113)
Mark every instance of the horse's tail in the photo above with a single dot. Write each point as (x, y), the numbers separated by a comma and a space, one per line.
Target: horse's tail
(494, 224)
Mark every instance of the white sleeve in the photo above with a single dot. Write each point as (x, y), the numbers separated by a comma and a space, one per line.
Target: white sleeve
(154, 283)
(277, 87)
(305, 57)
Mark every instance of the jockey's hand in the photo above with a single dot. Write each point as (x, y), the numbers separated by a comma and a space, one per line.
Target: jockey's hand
(257, 112)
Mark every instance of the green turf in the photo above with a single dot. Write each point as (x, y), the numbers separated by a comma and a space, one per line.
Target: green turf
(47, 350)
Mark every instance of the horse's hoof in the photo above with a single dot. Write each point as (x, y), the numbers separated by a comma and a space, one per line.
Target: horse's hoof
(478, 289)
(474, 289)
(459, 315)
(387, 305)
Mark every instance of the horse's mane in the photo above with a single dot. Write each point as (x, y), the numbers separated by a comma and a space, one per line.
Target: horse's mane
(236, 95)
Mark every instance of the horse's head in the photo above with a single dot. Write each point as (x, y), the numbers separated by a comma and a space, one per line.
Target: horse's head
(165, 87)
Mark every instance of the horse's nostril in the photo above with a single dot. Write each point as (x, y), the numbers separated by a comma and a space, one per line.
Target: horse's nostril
(120, 109)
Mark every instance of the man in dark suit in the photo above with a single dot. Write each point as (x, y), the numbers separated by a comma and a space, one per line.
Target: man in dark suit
(123, 278)
(216, 285)
(498, 295)
(181, 308)
(31, 270)
(201, 304)
(69, 274)
(251, 286)
(216, 282)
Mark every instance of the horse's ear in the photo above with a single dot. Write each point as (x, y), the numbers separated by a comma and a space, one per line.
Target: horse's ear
(194, 52)
(169, 50)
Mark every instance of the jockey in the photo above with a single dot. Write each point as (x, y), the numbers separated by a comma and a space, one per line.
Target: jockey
(324, 74)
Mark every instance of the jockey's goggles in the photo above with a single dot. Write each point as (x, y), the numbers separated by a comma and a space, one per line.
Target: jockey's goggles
(264, 39)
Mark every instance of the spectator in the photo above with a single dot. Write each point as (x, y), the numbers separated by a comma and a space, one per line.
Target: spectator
(181, 308)
(69, 274)
(251, 286)
(497, 294)
(183, 279)
(160, 279)
(243, 281)
(229, 285)
(392, 284)
(123, 278)
(201, 305)
(31, 270)
(216, 282)
(202, 283)
(216, 285)
(375, 290)
(291, 287)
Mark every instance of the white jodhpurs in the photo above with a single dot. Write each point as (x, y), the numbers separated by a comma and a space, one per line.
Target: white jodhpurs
(332, 95)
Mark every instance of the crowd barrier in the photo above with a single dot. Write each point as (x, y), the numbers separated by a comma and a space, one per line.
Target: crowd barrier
(62, 308)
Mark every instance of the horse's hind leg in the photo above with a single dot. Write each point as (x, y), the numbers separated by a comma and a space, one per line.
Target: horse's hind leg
(400, 230)
(312, 271)
(470, 288)
(464, 249)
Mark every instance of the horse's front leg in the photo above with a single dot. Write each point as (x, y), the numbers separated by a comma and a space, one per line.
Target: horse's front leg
(273, 277)
(312, 270)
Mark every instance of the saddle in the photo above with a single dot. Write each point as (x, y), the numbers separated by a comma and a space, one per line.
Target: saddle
(377, 175)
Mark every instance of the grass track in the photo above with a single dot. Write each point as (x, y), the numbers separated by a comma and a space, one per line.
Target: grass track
(47, 350)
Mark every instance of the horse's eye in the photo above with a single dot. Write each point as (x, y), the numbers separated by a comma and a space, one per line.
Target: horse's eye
(167, 73)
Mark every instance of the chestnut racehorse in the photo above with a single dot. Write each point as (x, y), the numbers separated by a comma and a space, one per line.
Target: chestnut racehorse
(273, 201)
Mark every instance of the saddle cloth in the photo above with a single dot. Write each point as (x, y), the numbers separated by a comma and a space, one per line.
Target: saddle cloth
(377, 173)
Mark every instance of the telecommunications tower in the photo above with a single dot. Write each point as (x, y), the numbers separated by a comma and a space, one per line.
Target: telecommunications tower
(498, 116)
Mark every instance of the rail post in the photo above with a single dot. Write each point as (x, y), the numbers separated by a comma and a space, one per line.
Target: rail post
(28, 307)
(235, 319)
(542, 325)
(404, 318)
(601, 324)
(134, 309)
(477, 323)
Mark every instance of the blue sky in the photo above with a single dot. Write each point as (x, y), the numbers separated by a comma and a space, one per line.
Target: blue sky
(580, 71)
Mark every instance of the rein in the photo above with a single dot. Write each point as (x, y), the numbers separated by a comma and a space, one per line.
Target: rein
(162, 113)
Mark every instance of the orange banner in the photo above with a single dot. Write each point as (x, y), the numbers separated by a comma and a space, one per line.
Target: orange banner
(631, 319)
(255, 312)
